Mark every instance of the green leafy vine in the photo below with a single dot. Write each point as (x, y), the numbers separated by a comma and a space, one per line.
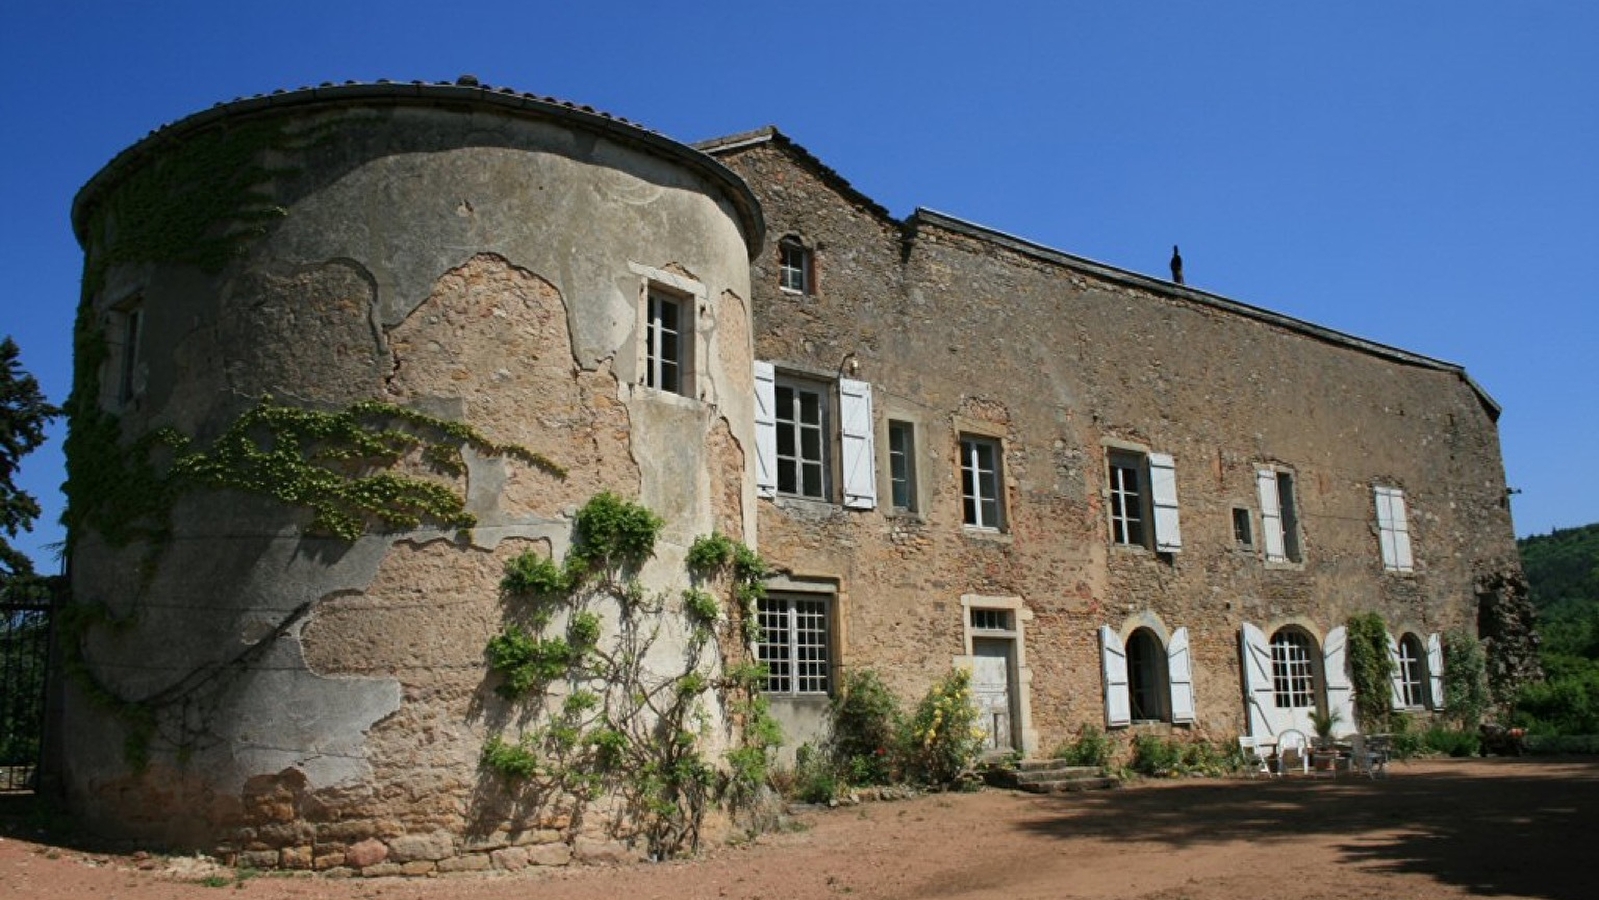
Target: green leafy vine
(623, 726)
(1371, 669)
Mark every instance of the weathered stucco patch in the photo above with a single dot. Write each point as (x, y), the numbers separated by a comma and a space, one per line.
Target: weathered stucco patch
(493, 339)
(309, 336)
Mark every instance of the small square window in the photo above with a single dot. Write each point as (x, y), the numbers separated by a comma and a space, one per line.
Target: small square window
(668, 339)
(981, 500)
(794, 644)
(1243, 533)
(794, 266)
(902, 465)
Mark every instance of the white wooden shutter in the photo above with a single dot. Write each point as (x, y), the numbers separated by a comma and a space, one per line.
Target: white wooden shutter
(1403, 561)
(765, 429)
(1435, 669)
(1163, 491)
(1180, 668)
(1271, 515)
(1259, 698)
(860, 456)
(1113, 659)
(1398, 677)
(1340, 692)
(1393, 530)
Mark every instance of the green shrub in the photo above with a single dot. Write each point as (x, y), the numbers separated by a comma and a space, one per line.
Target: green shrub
(1205, 758)
(866, 721)
(1450, 742)
(1465, 679)
(1155, 757)
(1407, 741)
(1166, 757)
(941, 741)
(1091, 748)
(1566, 703)
(814, 778)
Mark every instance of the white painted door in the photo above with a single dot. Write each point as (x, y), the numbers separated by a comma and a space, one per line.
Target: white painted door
(991, 692)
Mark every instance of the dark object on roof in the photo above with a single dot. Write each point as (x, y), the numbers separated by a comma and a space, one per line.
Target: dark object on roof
(1176, 265)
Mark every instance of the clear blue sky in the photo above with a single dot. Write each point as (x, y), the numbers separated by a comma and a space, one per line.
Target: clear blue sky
(1424, 174)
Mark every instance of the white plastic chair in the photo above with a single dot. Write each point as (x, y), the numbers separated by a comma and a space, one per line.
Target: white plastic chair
(1254, 759)
(1293, 750)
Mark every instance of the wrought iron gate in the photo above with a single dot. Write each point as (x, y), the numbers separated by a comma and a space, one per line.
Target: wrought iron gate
(24, 660)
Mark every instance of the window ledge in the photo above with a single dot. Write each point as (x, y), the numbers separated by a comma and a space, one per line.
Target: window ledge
(990, 535)
(672, 397)
(808, 507)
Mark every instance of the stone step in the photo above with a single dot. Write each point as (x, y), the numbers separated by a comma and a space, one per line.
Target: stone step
(1049, 776)
(1033, 765)
(1056, 773)
(1069, 785)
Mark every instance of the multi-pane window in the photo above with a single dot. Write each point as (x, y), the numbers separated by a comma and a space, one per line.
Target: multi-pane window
(1411, 672)
(793, 644)
(902, 465)
(1127, 499)
(802, 458)
(666, 343)
(991, 619)
(794, 266)
(980, 483)
(1293, 677)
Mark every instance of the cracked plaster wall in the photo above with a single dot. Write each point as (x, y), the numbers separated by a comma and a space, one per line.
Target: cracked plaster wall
(472, 265)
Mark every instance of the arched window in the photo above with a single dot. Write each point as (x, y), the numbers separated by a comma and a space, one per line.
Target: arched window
(1148, 686)
(1411, 673)
(1293, 669)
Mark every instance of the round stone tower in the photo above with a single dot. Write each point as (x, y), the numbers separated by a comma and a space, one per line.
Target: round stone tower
(345, 355)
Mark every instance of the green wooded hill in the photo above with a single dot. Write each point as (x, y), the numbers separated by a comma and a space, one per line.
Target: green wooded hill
(1562, 566)
(1563, 574)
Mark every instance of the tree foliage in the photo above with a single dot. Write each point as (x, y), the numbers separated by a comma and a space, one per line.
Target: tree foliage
(23, 414)
(1563, 577)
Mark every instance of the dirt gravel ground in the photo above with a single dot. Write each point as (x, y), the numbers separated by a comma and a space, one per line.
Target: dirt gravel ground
(1433, 830)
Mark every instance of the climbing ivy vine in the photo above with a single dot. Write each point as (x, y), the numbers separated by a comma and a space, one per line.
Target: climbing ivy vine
(337, 464)
(1371, 670)
(603, 718)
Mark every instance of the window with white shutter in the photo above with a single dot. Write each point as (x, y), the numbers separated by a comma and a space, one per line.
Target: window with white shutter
(1113, 663)
(858, 455)
(1393, 530)
(1142, 493)
(1279, 515)
(1179, 667)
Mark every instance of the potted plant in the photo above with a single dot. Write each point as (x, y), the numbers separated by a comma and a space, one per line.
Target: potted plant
(1323, 722)
(1325, 758)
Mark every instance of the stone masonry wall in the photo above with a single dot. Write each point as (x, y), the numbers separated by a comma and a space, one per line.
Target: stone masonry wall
(959, 333)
